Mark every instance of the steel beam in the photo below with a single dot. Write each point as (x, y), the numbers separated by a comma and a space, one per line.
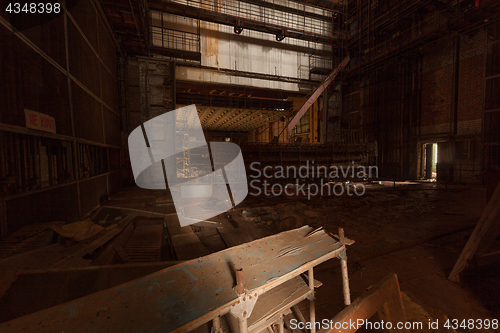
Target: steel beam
(253, 75)
(314, 96)
(290, 10)
(216, 17)
(232, 101)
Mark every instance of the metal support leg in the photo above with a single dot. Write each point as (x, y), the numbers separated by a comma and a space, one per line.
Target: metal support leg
(345, 282)
(281, 325)
(312, 309)
(345, 277)
(246, 302)
(216, 325)
(243, 325)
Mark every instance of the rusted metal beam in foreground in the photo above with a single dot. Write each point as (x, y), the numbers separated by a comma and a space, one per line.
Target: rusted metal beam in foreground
(188, 295)
(316, 94)
(384, 298)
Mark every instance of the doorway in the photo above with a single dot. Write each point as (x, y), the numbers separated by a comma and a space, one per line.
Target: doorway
(430, 160)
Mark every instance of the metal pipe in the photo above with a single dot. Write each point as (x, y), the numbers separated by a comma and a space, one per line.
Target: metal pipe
(345, 283)
(312, 307)
(345, 277)
(240, 285)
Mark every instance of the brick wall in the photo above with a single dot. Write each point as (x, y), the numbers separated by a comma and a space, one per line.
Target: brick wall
(437, 88)
(438, 98)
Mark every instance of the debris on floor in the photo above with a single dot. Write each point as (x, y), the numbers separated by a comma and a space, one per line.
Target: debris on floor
(78, 231)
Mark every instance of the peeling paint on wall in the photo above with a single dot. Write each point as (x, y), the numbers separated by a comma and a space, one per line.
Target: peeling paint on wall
(212, 41)
(211, 32)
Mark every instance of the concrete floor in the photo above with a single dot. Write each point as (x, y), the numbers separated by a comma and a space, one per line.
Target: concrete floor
(414, 230)
(391, 243)
(417, 234)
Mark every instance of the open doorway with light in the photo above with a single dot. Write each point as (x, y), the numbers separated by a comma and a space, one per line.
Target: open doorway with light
(430, 159)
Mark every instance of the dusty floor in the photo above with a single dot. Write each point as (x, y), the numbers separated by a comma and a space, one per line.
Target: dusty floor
(414, 230)
(417, 234)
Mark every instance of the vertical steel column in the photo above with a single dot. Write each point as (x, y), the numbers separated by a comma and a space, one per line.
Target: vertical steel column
(345, 277)
(312, 309)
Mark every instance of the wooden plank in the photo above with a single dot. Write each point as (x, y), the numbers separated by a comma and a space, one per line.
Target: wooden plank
(207, 224)
(94, 215)
(175, 293)
(238, 236)
(186, 244)
(51, 287)
(384, 297)
(40, 258)
(273, 303)
(122, 254)
(75, 259)
(145, 243)
(316, 283)
(298, 313)
(483, 227)
(140, 212)
(211, 240)
(108, 254)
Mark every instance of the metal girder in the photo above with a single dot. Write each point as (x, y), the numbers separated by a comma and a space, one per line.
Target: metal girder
(253, 75)
(225, 117)
(232, 101)
(239, 120)
(314, 96)
(216, 17)
(326, 4)
(175, 53)
(206, 122)
(220, 116)
(204, 88)
(136, 11)
(289, 10)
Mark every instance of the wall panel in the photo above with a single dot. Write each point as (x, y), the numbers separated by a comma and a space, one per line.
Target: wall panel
(86, 18)
(93, 192)
(87, 114)
(60, 204)
(83, 64)
(29, 81)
